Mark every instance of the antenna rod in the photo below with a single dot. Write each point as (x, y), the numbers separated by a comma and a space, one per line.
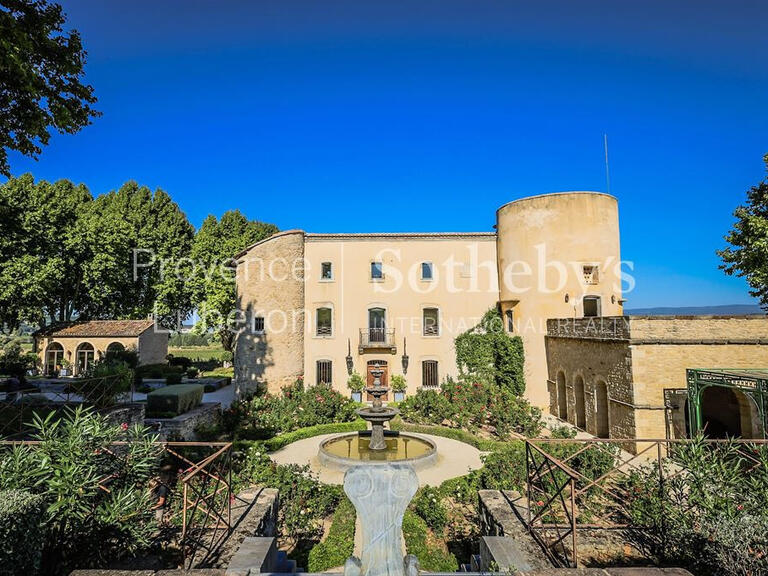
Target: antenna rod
(607, 171)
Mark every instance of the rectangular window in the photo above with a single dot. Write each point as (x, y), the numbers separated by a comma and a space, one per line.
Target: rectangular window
(590, 274)
(324, 322)
(510, 320)
(431, 321)
(591, 306)
(377, 271)
(326, 271)
(426, 270)
(429, 373)
(324, 372)
(258, 324)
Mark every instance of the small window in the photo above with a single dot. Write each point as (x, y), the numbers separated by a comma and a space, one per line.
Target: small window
(510, 316)
(324, 372)
(326, 271)
(431, 321)
(324, 322)
(590, 275)
(377, 271)
(426, 271)
(591, 306)
(429, 373)
(258, 324)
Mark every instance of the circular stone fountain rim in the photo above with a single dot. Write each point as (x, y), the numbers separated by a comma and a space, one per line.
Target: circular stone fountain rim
(340, 461)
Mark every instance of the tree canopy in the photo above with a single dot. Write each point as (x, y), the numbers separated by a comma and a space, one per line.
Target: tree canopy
(64, 254)
(747, 255)
(40, 84)
(216, 243)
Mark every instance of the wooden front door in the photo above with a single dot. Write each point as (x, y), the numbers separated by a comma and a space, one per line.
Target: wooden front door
(384, 377)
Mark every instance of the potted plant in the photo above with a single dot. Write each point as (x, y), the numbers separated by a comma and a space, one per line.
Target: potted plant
(398, 385)
(66, 367)
(356, 384)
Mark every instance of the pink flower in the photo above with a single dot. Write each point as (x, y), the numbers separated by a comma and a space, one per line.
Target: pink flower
(540, 503)
(124, 426)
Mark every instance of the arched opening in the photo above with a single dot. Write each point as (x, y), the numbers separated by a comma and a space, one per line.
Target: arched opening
(377, 324)
(726, 412)
(83, 358)
(602, 425)
(114, 350)
(562, 399)
(578, 392)
(54, 358)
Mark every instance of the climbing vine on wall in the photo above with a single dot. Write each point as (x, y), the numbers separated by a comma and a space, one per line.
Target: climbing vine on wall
(488, 354)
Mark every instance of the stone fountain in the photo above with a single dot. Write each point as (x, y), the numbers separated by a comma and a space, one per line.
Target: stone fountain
(377, 414)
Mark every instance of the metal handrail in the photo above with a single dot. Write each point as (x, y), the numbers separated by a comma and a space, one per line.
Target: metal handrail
(377, 337)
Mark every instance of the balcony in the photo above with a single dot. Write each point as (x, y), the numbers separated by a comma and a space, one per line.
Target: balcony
(377, 339)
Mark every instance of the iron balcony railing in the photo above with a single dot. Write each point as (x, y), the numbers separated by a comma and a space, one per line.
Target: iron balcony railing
(377, 338)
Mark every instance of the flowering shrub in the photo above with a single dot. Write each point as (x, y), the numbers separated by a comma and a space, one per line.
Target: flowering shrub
(264, 416)
(473, 405)
(304, 501)
(428, 504)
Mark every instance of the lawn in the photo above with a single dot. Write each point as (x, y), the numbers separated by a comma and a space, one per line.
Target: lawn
(198, 352)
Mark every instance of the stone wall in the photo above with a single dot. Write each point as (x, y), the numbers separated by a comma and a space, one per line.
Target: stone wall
(639, 357)
(183, 427)
(270, 285)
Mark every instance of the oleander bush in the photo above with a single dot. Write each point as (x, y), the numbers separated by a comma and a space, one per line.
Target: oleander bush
(710, 514)
(21, 532)
(96, 500)
(263, 416)
(334, 550)
(174, 400)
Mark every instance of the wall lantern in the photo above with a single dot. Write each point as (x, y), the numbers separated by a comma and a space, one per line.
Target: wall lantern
(350, 365)
(405, 358)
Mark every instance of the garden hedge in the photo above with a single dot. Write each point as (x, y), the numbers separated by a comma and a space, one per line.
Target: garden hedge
(21, 532)
(176, 399)
(432, 558)
(339, 544)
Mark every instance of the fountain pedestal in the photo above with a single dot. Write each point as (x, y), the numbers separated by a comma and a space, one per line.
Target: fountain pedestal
(377, 414)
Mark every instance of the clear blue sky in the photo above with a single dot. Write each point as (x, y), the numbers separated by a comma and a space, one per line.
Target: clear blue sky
(316, 114)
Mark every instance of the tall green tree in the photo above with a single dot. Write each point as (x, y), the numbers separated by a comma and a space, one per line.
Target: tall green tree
(747, 255)
(41, 254)
(216, 244)
(139, 244)
(41, 67)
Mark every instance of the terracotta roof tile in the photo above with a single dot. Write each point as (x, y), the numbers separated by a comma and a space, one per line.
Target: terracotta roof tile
(97, 328)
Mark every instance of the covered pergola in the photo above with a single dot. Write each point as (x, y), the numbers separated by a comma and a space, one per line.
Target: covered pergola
(748, 387)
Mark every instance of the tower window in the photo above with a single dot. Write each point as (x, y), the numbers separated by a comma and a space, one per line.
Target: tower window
(324, 322)
(377, 271)
(326, 271)
(591, 306)
(590, 274)
(426, 271)
(431, 321)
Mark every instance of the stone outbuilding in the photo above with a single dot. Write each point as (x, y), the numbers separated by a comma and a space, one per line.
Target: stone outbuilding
(73, 347)
(627, 376)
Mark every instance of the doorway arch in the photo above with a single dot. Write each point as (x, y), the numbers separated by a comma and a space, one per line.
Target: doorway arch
(726, 412)
(83, 358)
(602, 422)
(562, 399)
(578, 392)
(54, 357)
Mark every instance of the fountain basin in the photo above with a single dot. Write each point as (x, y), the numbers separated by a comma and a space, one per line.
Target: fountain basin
(344, 452)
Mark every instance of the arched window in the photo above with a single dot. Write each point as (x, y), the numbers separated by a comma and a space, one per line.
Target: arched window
(54, 357)
(114, 349)
(562, 400)
(431, 321)
(602, 427)
(377, 325)
(83, 358)
(578, 392)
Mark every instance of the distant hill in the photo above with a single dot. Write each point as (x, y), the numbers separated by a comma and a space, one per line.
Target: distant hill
(726, 310)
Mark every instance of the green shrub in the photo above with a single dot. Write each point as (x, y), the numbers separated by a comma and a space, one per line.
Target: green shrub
(432, 558)
(181, 361)
(282, 440)
(105, 382)
(86, 525)
(504, 469)
(192, 372)
(174, 399)
(173, 378)
(264, 416)
(340, 542)
(21, 532)
(355, 382)
(156, 371)
(484, 444)
(209, 388)
(429, 506)
(398, 383)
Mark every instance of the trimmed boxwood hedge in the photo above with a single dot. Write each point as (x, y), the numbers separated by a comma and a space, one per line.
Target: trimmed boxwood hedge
(21, 532)
(176, 399)
(339, 544)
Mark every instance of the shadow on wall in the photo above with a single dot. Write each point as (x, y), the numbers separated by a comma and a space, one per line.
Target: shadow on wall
(253, 355)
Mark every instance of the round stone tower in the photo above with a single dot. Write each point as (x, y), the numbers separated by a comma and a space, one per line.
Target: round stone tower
(558, 258)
